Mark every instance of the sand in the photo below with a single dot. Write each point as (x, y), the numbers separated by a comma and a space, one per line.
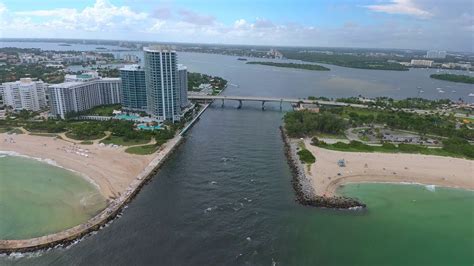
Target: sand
(111, 169)
(385, 167)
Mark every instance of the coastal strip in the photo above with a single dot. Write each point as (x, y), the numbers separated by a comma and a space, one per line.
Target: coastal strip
(304, 189)
(68, 236)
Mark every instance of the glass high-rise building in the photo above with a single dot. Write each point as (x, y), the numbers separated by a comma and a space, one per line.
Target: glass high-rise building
(161, 78)
(133, 88)
(183, 85)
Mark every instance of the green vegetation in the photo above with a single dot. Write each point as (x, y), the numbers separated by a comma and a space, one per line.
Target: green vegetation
(104, 110)
(36, 71)
(291, 65)
(453, 148)
(196, 79)
(409, 103)
(123, 141)
(86, 142)
(109, 72)
(85, 131)
(143, 150)
(433, 124)
(306, 156)
(47, 126)
(304, 123)
(454, 78)
(345, 60)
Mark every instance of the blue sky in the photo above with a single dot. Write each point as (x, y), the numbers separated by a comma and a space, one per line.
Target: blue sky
(422, 24)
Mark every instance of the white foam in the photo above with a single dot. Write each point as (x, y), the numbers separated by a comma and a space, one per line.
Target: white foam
(431, 188)
(50, 162)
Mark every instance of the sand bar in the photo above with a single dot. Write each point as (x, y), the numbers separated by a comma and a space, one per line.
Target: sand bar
(386, 167)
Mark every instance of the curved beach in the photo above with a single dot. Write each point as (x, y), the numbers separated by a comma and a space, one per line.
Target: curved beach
(118, 175)
(326, 175)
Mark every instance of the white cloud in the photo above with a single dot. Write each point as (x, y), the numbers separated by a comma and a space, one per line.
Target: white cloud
(104, 20)
(99, 17)
(405, 7)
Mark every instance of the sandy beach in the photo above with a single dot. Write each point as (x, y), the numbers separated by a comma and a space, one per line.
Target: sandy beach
(111, 169)
(326, 175)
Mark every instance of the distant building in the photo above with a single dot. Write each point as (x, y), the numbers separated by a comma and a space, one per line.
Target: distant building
(131, 58)
(313, 108)
(436, 54)
(133, 88)
(183, 85)
(162, 83)
(24, 94)
(77, 96)
(423, 63)
(86, 76)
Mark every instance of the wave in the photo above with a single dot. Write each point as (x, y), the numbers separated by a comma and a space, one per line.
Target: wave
(50, 162)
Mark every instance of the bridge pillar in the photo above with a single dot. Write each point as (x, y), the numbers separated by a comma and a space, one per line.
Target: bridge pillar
(240, 104)
(281, 103)
(222, 103)
(263, 105)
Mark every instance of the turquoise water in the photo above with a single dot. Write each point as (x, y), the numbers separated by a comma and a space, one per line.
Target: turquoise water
(145, 127)
(41, 199)
(403, 225)
(127, 117)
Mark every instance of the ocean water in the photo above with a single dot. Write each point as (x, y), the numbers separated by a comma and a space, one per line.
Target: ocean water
(225, 198)
(38, 199)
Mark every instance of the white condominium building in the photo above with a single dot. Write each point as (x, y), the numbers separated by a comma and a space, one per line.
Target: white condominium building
(77, 96)
(24, 94)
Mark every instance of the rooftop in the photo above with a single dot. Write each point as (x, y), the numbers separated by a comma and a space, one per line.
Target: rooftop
(159, 48)
(134, 67)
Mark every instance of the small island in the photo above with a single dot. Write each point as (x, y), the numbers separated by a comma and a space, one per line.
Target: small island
(454, 78)
(291, 65)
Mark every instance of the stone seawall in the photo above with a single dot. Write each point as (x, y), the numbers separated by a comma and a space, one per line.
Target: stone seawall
(68, 236)
(304, 190)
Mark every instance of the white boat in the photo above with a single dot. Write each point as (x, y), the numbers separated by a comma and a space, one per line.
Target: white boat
(471, 95)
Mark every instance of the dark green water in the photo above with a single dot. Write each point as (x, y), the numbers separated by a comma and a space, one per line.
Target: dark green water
(38, 199)
(225, 196)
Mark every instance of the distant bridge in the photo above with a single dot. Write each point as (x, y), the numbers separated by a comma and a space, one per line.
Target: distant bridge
(240, 99)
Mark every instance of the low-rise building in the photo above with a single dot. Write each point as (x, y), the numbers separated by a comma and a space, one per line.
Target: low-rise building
(422, 63)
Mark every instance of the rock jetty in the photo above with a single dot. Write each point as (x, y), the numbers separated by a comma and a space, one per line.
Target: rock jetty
(304, 190)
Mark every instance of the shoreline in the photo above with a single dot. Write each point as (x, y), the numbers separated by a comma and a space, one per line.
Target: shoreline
(326, 176)
(53, 163)
(304, 186)
(394, 168)
(114, 206)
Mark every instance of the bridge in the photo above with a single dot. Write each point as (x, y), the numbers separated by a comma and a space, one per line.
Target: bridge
(240, 99)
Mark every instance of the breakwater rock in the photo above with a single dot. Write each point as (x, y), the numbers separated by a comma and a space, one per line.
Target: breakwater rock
(304, 190)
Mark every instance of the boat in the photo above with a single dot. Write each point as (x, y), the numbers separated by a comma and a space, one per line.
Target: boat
(242, 59)
(471, 95)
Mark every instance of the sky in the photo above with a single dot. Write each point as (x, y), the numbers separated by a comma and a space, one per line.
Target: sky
(405, 24)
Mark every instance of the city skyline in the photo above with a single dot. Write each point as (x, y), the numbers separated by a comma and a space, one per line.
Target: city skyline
(413, 24)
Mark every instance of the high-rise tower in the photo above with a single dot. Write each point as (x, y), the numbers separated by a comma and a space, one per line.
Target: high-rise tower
(161, 77)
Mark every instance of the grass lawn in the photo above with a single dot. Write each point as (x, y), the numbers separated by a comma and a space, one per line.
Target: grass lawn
(331, 136)
(120, 141)
(143, 150)
(389, 148)
(72, 136)
(105, 110)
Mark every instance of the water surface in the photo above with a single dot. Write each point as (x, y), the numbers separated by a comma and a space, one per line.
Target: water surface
(37, 199)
